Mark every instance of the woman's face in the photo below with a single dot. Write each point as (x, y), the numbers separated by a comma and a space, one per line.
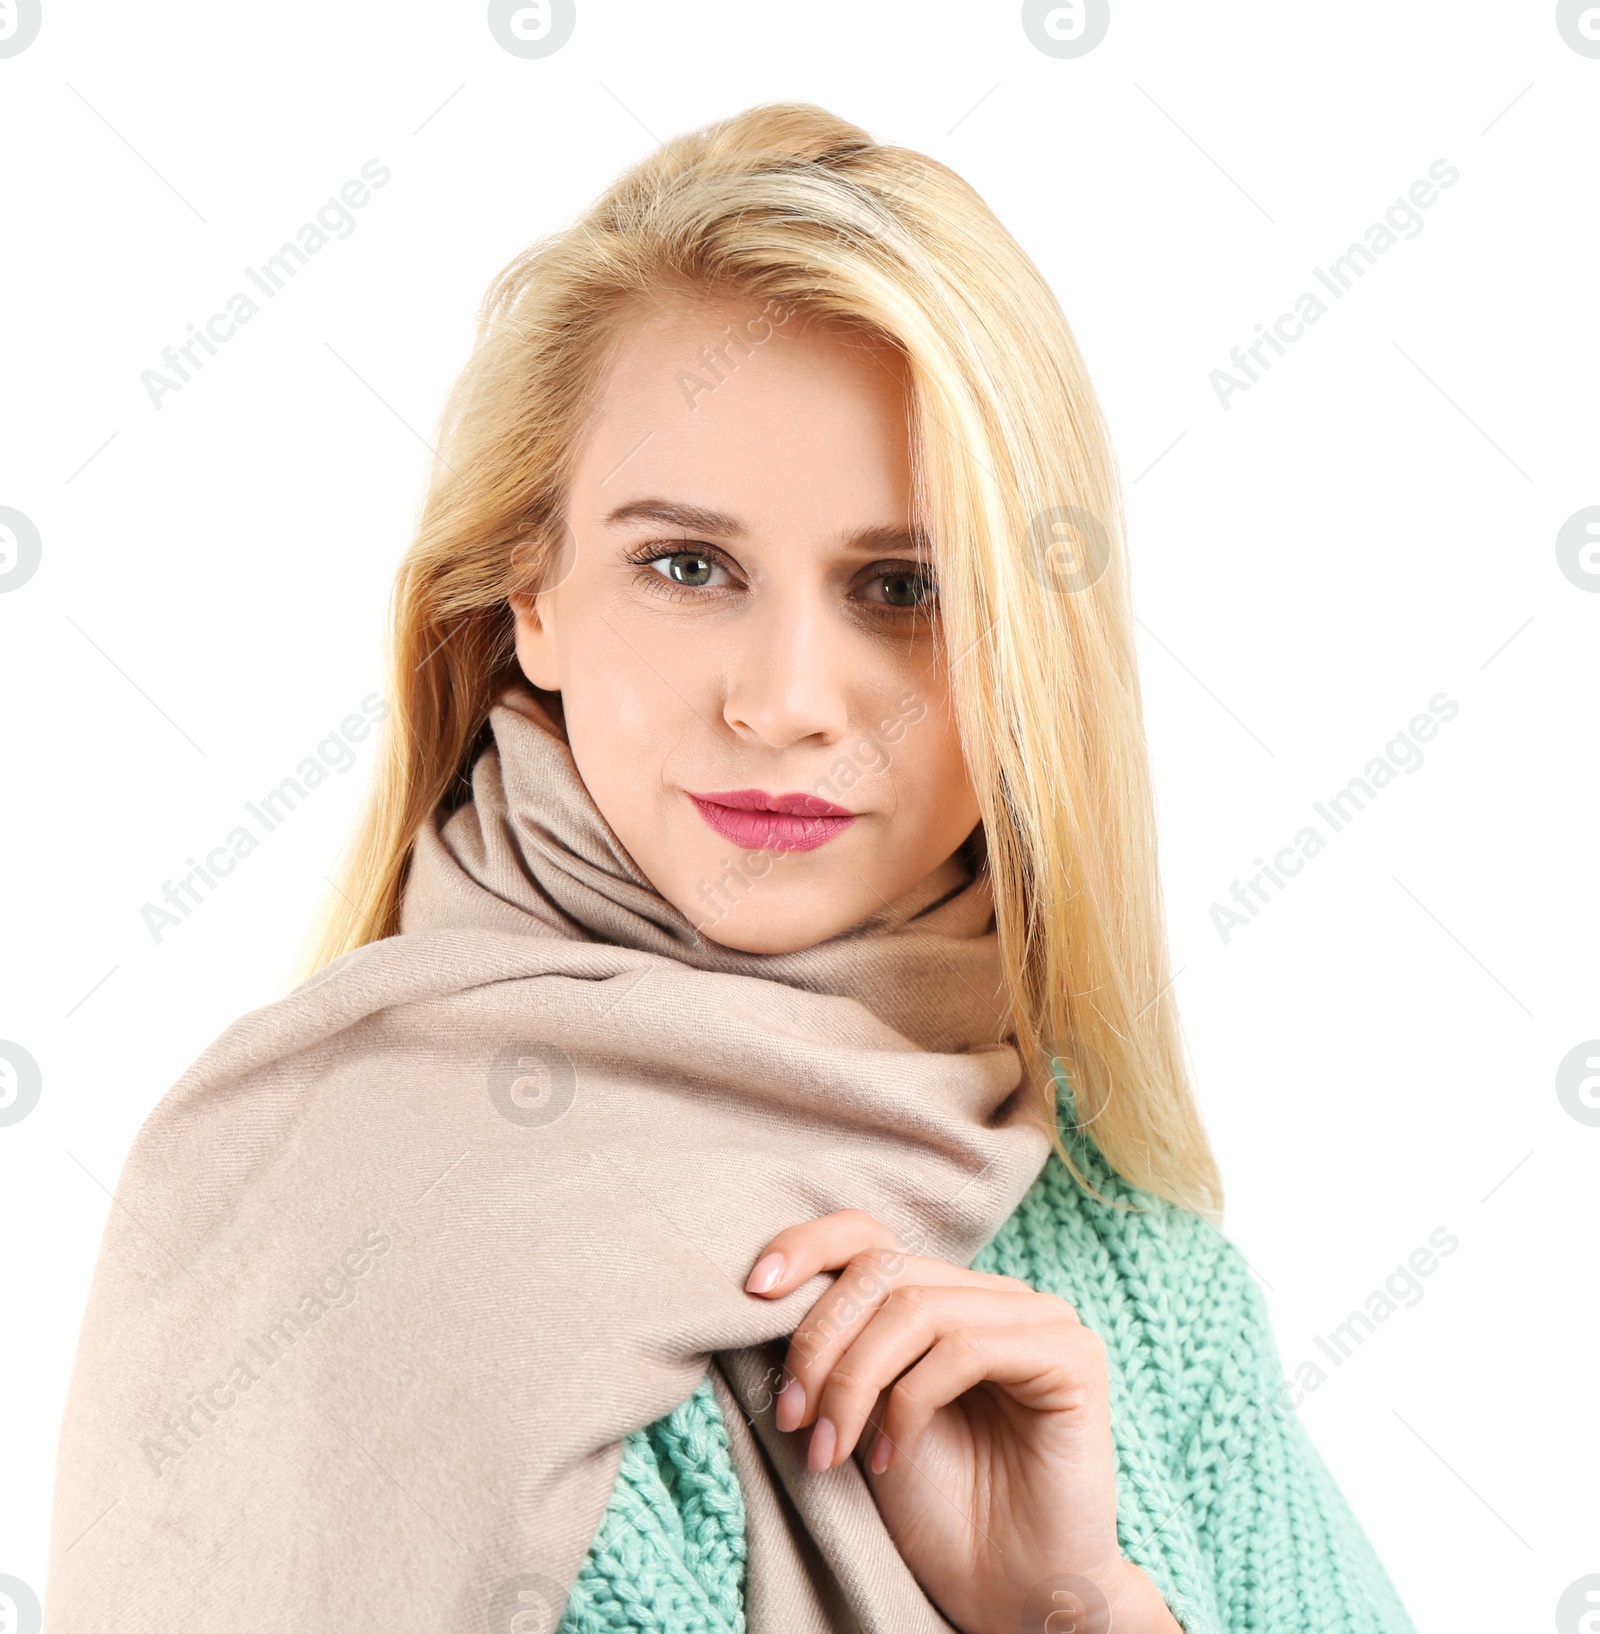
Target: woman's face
(741, 631)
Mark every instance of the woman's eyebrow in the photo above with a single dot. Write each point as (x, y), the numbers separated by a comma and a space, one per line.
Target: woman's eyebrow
(888, 541)
(879, 540)
(691, 518)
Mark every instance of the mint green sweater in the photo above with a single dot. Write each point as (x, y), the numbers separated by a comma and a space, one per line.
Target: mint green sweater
(1221, 1496)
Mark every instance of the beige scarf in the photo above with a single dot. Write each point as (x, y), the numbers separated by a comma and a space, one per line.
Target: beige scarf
(400, 1260)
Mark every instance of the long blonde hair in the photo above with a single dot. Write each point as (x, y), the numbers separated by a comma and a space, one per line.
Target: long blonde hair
(1011, 463)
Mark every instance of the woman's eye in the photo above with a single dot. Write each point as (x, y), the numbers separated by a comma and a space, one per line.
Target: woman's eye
(687, 567)
(901, 588)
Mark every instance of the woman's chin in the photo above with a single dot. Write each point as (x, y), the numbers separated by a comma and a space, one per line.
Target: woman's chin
(771, 928)
(757, 937)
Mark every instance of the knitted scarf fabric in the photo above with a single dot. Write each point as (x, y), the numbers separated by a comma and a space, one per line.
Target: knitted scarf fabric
(1222, 1497)
(403, 1259)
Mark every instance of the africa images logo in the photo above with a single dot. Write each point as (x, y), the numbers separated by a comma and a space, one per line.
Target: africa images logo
(334, 219)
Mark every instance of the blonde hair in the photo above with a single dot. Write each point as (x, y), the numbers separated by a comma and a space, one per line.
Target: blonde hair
(1010, 454)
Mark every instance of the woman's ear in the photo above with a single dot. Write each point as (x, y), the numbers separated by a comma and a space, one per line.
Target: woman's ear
(536, 646)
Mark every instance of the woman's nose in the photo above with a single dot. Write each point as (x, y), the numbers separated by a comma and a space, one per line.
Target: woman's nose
(788, 680)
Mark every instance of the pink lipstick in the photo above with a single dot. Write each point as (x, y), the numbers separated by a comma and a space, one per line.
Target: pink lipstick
(757, 821)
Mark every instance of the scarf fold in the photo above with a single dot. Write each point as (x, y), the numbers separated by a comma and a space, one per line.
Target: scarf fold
(402, 1258)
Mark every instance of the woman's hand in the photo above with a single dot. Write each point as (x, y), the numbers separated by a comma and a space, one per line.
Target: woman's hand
(980, 1412)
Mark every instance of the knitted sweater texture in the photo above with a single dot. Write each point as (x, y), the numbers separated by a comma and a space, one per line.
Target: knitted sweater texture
(1221, 1496)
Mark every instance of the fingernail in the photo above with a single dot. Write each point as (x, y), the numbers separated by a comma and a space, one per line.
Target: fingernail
(822, 1443)
(880, 1455)
(791, 1405)
(768, 1271)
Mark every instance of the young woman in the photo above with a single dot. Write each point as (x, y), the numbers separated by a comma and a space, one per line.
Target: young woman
(733, 1165)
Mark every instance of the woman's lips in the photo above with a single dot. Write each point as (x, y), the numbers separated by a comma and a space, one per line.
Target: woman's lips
(757, 821)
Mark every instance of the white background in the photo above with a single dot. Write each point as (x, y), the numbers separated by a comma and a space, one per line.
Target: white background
(1371, 524)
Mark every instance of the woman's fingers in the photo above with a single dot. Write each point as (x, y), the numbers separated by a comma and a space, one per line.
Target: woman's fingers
(838, 1318)
(885, 1310)
(816, 1245)
(915, 1320)
(1059, 1367)
(873, 1265)
(832, 1243)
(864, 1286)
